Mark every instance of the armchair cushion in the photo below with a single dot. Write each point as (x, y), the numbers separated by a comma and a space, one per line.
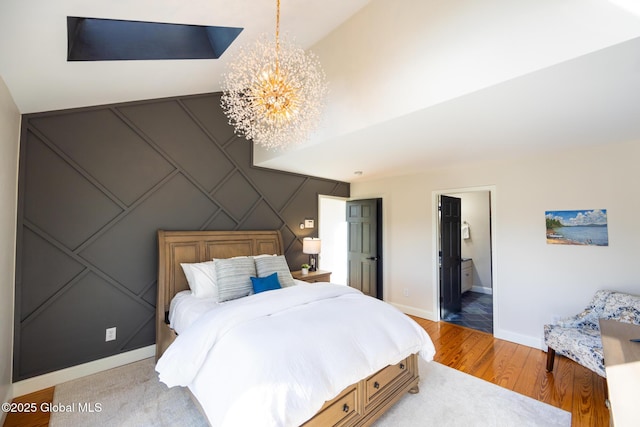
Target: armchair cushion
(580, 345)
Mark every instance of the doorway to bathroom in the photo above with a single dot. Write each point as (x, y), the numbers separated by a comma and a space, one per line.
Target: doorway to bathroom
(466, 288)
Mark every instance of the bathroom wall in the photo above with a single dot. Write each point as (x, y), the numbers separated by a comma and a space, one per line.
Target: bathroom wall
(477, 213)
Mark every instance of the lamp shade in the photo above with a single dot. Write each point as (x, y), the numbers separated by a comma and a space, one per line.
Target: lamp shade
(311, 245)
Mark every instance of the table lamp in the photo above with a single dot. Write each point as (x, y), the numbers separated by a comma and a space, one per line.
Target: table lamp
(311, 246)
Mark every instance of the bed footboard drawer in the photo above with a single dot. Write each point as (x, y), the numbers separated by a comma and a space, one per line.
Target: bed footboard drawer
(337, 412)
(385, 382)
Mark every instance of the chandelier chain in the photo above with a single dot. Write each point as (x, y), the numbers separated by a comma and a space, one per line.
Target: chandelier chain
(277, 35)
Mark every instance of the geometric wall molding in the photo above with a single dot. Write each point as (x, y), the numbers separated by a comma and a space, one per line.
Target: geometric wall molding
(96, 184)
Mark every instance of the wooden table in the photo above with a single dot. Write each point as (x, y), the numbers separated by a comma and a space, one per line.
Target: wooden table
(313, 276)
(622, 365)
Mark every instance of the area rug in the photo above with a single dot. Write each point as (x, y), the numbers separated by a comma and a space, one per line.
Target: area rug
(131, 395)
(450, 398)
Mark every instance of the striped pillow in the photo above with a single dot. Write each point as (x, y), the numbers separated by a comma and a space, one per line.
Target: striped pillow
(275, 264)
(234, 277)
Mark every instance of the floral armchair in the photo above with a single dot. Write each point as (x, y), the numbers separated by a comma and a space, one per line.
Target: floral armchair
(578, 337)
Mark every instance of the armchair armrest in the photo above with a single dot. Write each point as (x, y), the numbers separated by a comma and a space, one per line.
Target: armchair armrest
(587, 319)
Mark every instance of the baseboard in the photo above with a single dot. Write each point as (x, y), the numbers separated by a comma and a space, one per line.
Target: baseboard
(532, 342)
(519, 339)
(415, 311)
(51, 379)
(482, 290)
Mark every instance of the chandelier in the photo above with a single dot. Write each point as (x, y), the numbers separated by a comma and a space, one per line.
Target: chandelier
(272, 92)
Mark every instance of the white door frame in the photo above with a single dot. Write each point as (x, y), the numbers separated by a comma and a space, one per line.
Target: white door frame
(435, 247)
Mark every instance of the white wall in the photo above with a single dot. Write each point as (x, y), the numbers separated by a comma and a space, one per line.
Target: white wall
(533, 281)
(401, 56)
(9, 138)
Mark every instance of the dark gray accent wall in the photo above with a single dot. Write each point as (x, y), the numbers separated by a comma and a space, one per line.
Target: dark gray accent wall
(96, 183)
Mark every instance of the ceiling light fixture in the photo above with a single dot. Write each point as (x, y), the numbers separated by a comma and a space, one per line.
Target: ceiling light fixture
(273, 92)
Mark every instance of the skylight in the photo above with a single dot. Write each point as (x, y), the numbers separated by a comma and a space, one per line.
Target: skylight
(93, 39)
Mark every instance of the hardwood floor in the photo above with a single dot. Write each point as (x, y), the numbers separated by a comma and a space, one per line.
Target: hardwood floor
(522, 369)
(512, 366)
(31, 419)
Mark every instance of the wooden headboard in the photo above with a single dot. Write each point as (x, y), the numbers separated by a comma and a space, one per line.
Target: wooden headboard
(175, 247)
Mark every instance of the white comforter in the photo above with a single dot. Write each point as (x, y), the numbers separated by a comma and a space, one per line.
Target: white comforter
(274, 358)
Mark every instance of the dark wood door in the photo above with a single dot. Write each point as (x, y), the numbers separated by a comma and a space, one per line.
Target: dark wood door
(365, 246)
(450, 256)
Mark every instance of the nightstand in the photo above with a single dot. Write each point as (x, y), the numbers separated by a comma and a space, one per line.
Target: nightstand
(313, 276)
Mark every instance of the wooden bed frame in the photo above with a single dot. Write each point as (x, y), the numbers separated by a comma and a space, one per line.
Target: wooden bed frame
(175, 247)
(358, 405)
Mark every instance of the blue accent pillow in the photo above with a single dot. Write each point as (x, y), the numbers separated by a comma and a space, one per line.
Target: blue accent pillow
(268, 283)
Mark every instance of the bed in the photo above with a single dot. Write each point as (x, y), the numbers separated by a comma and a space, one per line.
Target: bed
(261, 379)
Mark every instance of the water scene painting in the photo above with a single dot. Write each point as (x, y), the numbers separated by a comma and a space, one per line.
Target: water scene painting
(586, 227)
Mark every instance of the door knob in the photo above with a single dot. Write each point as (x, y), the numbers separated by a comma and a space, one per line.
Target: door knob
(373, 258)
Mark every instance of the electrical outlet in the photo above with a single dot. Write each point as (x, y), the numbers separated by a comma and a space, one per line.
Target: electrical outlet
(111, 334)
(405, 292)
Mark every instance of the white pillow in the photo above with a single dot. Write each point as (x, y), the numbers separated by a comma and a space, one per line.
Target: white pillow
(263, 255)
(266, 266)
(233, 277)
(202, 278)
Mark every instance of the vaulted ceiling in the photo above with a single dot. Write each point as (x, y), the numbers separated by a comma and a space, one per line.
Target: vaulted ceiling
(414, 84)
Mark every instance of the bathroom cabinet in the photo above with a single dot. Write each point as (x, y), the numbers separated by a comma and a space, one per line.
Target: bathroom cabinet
(467, 275)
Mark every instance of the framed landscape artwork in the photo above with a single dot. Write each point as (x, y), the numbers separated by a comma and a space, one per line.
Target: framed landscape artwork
(584, 227)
